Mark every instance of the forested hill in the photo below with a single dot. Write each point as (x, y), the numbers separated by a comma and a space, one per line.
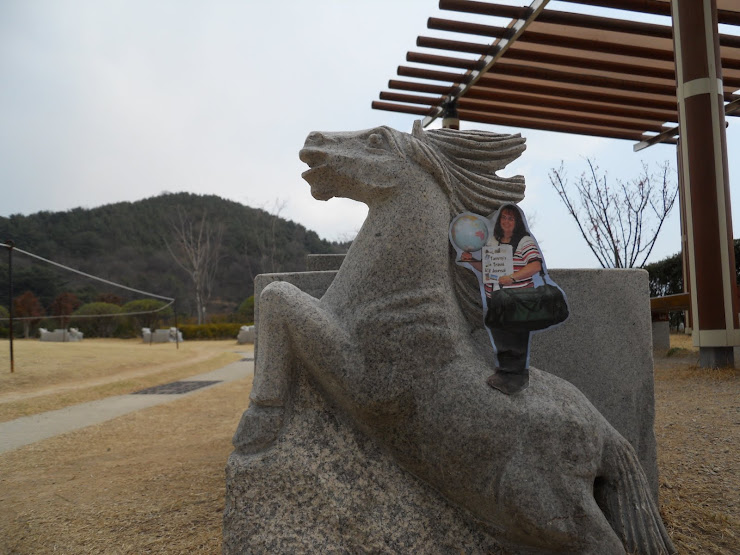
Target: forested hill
(125, 243)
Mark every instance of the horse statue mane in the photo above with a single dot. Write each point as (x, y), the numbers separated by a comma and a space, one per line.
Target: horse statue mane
(465, 164)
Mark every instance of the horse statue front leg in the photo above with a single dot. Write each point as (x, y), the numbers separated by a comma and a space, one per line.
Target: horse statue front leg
(292, 327)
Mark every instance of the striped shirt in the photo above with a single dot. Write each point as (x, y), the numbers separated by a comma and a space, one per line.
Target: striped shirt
(526, 252)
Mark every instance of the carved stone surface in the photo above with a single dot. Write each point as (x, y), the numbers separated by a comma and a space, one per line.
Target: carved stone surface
(314, 284)
(325, 488)
(391, 347)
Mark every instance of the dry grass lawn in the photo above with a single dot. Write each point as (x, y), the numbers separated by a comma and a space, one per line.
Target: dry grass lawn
(153, 481)
(51, 376)
(698, 429)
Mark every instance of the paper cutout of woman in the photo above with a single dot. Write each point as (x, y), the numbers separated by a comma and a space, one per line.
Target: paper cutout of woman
(510, 258)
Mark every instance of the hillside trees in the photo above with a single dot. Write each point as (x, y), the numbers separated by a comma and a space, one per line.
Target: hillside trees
(63, 306)
(29, 307)
(122, 242)
(111, 298)
(4, 321)
(666, 278)
(246, 310)
(102, 326)
(146, 312)
(619, 223)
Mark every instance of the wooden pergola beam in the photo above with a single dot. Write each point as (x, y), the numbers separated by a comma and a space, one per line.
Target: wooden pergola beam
(610, 83)
(671, 303)
(607, 127)
(543, 57)
(551, 39)
(582, 21)
(444, 61)
(542, 98)
(556, 90)
(404, 109)
(607, 96)
(411, 98)
(548, 112)
(655, 7)
(512, 121)
(422, 87)
(522, 71)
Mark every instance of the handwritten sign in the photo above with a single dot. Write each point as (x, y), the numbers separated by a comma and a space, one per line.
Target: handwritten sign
(497, 261)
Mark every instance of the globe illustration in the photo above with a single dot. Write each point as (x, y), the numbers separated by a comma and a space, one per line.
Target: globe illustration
(469, 232)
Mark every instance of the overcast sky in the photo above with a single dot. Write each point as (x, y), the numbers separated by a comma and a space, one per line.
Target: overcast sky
(104, 101)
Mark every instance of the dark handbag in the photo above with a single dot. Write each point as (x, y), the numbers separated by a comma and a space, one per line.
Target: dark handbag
(526, 308)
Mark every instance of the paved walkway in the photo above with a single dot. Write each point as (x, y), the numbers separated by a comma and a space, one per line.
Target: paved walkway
(30, 429)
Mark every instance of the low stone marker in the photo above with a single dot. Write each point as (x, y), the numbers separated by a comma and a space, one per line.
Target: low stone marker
(371, 427)
(661, 332)
(246, 335)
(60, 335)
(170, 335)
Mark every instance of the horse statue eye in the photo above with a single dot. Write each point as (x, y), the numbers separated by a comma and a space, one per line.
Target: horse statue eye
(375, 140)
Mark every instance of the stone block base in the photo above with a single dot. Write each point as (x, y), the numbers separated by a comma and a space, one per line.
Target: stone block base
(717, 357)
(661, 336)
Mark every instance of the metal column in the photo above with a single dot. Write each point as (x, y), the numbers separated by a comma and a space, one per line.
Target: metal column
(705, 181)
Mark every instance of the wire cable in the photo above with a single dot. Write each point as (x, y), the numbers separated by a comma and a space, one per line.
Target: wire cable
(88, 275)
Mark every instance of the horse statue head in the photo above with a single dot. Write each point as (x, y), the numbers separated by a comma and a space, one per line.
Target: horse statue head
(364, 165)
(376, 164)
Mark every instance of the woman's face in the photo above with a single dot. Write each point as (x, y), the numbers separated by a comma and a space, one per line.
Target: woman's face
(508, 222)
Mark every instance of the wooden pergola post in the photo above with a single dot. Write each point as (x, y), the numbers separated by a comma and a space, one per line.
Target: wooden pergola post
(705, 181)
(688, 324)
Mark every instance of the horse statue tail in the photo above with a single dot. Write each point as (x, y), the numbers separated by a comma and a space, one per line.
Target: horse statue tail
(622, 493)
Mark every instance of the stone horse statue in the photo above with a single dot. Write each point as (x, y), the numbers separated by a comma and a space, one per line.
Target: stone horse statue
(391, 344)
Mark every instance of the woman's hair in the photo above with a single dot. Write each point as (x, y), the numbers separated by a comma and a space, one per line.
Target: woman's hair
(520, 230)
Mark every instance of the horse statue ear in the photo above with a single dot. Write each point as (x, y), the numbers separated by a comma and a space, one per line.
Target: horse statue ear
(418, 130)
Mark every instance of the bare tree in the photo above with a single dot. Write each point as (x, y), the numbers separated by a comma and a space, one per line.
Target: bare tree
(195, 246)
(28, 308)
(619, 223)
(267, 244)
(63, 306)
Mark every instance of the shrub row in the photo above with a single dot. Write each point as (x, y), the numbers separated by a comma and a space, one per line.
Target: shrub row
(210, 331)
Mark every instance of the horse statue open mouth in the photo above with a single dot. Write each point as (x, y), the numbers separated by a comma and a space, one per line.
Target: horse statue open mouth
(391, 345)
